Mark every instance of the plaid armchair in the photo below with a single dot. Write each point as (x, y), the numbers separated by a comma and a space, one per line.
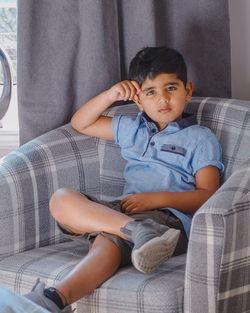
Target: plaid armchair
(214, 276)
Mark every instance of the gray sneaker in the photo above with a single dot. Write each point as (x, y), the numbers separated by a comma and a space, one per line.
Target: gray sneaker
(37, 296)
(153, 243)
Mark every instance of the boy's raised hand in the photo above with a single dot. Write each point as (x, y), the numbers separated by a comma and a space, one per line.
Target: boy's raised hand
(89, 118)
(124, 90)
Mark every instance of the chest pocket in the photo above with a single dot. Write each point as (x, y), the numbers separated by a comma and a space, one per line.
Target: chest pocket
(174, 149)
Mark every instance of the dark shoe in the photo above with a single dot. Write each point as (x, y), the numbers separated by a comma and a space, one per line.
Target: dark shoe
(37, 296)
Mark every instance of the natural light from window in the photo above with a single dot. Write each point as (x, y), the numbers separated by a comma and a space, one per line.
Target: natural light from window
(8, 40)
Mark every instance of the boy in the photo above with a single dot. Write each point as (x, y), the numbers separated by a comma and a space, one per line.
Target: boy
(173, 166)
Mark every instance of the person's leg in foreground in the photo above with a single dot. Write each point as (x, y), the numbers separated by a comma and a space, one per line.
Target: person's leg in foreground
(153, 243)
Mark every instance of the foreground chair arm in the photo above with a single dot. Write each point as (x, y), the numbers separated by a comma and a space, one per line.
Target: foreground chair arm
(217, 273)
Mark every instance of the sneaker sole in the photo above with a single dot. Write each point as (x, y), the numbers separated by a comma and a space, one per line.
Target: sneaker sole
(149, 256)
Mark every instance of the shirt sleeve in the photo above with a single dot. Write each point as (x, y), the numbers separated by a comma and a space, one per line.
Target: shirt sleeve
(123, 128)
(208, 153)
(115, 127)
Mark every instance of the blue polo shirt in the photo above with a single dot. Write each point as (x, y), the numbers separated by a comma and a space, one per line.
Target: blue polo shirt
(165, 160)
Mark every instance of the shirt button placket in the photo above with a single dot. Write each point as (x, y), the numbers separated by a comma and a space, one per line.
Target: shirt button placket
(153, 131)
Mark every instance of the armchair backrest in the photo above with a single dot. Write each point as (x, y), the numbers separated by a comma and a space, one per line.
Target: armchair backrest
(229, 119)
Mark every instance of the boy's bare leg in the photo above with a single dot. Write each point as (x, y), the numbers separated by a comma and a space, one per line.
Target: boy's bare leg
(101, 262)
(154, 243)
(81, 215)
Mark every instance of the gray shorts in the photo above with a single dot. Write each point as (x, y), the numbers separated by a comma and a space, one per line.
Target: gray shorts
(165, 217)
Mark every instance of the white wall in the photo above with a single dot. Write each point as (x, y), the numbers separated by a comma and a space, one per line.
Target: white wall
(240, 48)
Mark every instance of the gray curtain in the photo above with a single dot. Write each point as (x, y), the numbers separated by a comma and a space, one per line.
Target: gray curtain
(70, 50)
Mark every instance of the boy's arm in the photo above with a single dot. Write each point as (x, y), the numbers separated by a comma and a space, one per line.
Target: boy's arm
(207, 182)
(89, 120)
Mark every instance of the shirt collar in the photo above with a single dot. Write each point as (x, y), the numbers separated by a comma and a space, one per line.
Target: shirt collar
(186, 121)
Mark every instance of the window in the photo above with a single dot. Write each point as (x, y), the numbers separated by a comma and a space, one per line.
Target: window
(9, 128)
(8, 39)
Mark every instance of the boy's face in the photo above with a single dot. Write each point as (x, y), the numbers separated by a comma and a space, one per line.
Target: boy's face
(164, 98)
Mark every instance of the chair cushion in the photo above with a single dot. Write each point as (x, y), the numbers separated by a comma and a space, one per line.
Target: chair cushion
(127, 291)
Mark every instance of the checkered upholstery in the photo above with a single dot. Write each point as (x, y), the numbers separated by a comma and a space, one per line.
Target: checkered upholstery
(213, 276)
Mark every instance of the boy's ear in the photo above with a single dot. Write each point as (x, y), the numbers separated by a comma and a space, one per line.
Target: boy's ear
(189, 90)
(137, 102)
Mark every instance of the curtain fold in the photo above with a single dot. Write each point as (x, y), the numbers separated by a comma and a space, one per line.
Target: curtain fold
(68, 51)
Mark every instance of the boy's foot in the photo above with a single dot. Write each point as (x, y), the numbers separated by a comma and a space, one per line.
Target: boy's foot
(153, 243)
(37, 296)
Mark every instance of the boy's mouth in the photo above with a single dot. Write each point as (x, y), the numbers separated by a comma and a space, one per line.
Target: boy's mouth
(164, 110)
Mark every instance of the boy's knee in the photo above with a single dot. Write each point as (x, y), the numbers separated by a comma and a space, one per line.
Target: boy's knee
(58, 199)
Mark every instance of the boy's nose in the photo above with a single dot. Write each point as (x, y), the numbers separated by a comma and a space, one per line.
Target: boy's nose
(164, 97)
(163, 100)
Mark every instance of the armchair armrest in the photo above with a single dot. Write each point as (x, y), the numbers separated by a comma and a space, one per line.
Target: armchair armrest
(28, 178)
(217, 271)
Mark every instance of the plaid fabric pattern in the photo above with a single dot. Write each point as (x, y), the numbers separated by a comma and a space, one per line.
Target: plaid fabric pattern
(216, 276)
(28, 178)
(128, 291)
(218, 279)
(229, 119)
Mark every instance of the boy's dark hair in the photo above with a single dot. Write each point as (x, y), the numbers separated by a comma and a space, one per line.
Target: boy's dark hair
(152, 61)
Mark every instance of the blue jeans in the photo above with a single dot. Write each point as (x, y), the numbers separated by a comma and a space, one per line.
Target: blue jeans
(11, 302)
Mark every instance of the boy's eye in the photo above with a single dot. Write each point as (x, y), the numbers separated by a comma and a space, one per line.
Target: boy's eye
(150, 93)
(171, 88)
